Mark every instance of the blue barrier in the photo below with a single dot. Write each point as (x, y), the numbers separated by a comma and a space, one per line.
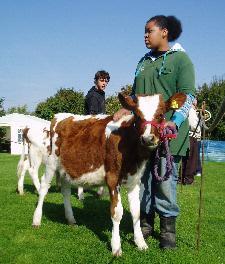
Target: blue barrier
(214, 150)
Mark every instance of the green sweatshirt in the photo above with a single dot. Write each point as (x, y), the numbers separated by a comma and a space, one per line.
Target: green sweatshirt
(167, 75)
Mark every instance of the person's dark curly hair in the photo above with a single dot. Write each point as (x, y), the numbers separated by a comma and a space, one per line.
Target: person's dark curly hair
(171, 23)
(102, 75)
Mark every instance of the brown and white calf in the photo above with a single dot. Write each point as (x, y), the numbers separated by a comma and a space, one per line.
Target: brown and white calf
(36, 139)
(98, 150)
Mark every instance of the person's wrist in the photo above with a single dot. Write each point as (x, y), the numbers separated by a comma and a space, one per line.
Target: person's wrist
(126, 111)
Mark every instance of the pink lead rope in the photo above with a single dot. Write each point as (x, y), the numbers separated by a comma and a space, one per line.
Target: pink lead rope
(165, 133)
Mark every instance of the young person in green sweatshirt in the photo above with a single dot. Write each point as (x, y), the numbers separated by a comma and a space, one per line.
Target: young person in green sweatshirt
(166, 70)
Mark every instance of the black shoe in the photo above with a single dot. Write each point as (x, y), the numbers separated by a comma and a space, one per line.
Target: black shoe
(147, 224)
(167, 232)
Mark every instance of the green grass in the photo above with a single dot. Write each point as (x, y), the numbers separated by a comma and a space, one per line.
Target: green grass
(89, 242)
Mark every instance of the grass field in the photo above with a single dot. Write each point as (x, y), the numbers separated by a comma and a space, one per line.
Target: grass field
(89, 242)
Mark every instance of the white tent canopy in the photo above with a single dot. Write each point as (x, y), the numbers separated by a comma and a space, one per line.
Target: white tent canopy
(16, 123)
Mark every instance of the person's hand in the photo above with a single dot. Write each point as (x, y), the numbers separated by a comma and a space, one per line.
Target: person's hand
(170, 124)
(172, 127)
(120, 113)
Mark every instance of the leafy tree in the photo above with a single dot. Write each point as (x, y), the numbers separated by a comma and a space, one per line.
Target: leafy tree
(213, 94)
(18, 109)
(65, 100)
(3, 144)
(112, 102)
(2, 111)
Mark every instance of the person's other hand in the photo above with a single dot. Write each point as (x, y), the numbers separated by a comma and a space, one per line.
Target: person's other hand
(120, 113)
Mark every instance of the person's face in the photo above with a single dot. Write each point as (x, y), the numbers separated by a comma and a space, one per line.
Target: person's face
(101, 83)
(154, 35)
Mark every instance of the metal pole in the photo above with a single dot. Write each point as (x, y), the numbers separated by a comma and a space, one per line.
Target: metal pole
(201, 184)
(181, 175)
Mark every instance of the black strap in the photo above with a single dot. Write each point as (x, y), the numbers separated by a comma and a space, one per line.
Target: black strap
(199, 120)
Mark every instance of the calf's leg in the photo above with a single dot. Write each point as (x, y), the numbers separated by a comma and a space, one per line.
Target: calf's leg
(100, 191)
(45, 184)
(21, 171)
(134, 204)
(66, 192)
(35, 159)
(34, 176)
(116, 216)
(80, 193)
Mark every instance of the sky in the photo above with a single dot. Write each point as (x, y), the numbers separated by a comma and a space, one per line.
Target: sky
(49, 44)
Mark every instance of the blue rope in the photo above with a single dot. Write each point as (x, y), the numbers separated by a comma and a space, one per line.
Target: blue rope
(160, 70)
(162, 67)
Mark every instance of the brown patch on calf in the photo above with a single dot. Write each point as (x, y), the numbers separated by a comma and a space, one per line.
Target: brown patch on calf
(53, 122)
(113, 202)
(45, 130)
(81, 144)
(112, 183)
(25, 137)
(49, 149)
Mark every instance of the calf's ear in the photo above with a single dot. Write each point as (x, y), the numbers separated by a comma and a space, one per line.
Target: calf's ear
(127, 102)
(175, 101)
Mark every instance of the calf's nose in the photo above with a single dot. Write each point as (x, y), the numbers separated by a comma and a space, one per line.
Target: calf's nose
(148, 140)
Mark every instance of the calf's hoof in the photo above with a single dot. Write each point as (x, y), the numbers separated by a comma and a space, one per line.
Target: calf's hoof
(117, 253)
(142, 246)
(35, 226)
(36, 222)
(81, 197)
(72, 222)
(20, 192)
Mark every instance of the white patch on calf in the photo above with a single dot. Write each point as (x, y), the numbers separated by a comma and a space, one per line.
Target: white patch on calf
(101, 116)
(62, 116)
(37, 137)
(84, 117)
(148, 106)
(112, 125)
(96, 177)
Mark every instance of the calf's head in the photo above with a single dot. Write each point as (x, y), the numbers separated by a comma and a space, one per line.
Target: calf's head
(149, 112)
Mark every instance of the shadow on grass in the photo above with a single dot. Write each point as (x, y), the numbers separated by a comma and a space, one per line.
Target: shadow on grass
(95, 215)
(89, 191)
(30, 188)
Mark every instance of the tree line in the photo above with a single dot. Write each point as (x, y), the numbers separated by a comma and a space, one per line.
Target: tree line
(71, 101)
